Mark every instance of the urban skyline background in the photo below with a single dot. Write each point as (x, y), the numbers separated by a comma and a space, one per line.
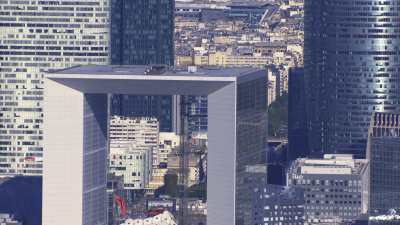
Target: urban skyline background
(331, 99)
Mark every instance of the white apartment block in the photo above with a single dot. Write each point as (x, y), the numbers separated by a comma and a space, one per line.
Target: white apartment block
(132, 163)
(139, 132)
(36, 36)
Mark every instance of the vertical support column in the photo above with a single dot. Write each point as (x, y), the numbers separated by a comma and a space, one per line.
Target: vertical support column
(62, 155)
(221, 159)
(95, 125)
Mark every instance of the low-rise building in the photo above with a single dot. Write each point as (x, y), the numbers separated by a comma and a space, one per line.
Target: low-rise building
(276, 204)
(383, 153)
(137, 133)
(167, 142)
(165, 218)
(334, 187)
(132, 163)
(6, 219)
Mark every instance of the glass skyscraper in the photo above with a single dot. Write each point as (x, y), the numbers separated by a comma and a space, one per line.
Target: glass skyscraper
(297, 122)
(383, 153)
(36, 36)
(142, 33)
(351, 55)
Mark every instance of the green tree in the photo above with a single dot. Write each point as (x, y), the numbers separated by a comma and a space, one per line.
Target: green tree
(278, 116)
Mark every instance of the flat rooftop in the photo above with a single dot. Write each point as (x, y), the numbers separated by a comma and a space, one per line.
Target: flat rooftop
(157, 70)
(153, 80)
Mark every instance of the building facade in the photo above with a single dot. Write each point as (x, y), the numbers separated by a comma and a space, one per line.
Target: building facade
(350, 64)
(255, 175)
(196, 113)
(136, 133)
(383, 154)
(297, 117)
(134, 164)
(334, 187)
(142, 33)
(167, 142)
(276, 204)
(36, 36)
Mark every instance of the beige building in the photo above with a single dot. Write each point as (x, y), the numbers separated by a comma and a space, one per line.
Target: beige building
(220, 58)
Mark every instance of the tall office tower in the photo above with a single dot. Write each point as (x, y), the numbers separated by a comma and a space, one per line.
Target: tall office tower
(36, 36)
(351, 68)
(383, 153)
(334, 187)
(297, 119)
(142, 33)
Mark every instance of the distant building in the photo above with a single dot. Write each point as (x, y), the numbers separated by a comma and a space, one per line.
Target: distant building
(383, 153)
(196, 112)
(131, 163)
(384, 220)
(333, 187)
(252, 12)
(133, 149)
(165, 218)
(272, 87)
(297, 118)
(249, 180)
(193, 167)
(167, 142)
(141, 33)
(6, 219)
(136, 132)
(275, 204)
(163, 202)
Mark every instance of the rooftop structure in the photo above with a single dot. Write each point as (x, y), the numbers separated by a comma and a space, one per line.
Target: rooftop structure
(331, 164)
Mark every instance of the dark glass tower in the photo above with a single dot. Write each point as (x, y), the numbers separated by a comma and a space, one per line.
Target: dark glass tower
(383, 153)
(297, 119)
(351, 64)
(142, 33)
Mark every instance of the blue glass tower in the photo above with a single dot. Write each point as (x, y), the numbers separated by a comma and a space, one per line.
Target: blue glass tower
(351, 55)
